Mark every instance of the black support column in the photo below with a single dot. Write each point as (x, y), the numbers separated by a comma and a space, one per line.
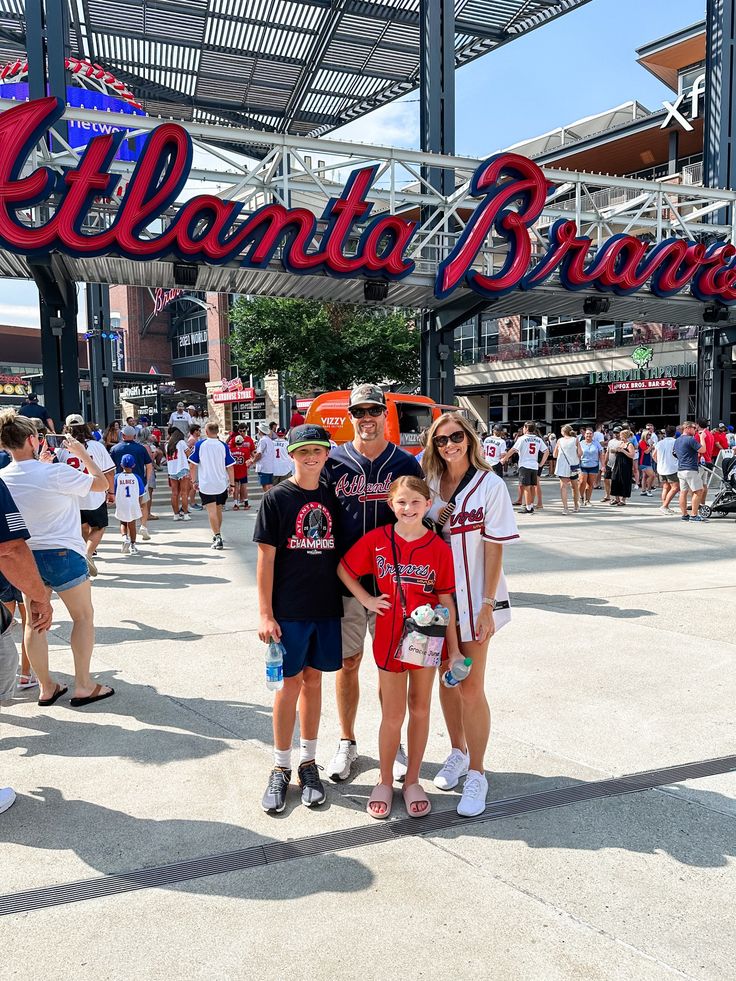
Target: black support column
(100, 354)
(47, 45)
(719, 170)
(437, 125)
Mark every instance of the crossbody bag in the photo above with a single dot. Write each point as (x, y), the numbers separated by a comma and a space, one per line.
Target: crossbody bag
(418, 645)
(574, 467)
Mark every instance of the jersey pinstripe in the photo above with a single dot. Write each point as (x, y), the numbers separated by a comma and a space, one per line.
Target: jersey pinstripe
(483, 513)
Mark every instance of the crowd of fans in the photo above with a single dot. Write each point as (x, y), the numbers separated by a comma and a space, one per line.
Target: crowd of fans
(351, 501)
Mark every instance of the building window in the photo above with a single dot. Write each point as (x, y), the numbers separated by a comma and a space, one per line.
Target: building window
(650, 406)
(531, 332)
(495, 409)
(189, 339)
(573, 405)
(524, 406)
(488, 335)
(466, 342)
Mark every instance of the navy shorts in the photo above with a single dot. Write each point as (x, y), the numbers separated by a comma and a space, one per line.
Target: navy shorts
(266, 479)
(61, 568)
(591, 469)
(8, 592)
(311, 644)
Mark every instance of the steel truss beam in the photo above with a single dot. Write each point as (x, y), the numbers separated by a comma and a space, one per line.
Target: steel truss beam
(601, 206)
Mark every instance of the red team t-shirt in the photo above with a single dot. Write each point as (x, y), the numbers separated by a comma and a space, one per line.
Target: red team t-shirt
(426, 570)
(238, 454)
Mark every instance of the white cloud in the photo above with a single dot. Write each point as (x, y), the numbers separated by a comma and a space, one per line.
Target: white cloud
(19, 315)
(396, 124)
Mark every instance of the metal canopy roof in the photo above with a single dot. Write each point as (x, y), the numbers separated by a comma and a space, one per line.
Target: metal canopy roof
(289, 66)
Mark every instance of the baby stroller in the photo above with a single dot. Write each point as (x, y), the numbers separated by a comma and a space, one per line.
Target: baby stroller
(724, 478)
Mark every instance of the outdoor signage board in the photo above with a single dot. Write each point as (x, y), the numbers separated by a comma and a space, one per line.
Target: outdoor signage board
(511, 192)
(137, 391)
(637, 386)
(81, 131)
(235, 395)
(662, 372)
(12, 385)
(162, 298)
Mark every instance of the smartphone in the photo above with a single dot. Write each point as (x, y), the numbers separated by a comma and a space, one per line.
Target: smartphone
(53, 441)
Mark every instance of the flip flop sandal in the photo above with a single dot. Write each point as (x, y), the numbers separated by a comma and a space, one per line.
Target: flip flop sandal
(381, 794)
(60, 690)
(94, 697)
(414, 794)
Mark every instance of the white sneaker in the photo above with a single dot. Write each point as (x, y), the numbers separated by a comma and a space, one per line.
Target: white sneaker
(7, 798)
(455, 766)
(178, 517)
(186, 517)
(473, 801)
(134, 549)
(126, 546)
(341, 763)
(144, 534)
(401, 764)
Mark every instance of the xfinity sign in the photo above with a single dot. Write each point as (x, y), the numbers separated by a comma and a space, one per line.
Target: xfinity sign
(686, 102)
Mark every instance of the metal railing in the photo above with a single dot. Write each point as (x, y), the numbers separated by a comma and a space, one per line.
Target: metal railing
(575, 344)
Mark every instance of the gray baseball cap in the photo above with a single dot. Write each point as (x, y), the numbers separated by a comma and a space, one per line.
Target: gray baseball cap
(366, 395)
(130, 431)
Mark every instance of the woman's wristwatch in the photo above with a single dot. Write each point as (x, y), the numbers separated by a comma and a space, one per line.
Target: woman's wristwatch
(489, 601)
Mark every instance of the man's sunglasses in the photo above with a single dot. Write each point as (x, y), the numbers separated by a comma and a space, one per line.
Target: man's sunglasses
(457, 437)
(375, 411)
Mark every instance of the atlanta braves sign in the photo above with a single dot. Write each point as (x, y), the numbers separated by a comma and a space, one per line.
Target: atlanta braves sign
(511, 192)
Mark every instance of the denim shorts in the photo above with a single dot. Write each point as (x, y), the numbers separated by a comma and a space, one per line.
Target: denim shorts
(265, 479)
(61, 568)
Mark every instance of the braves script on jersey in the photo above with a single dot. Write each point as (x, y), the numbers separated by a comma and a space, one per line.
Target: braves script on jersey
(483, 513)
(362, 485)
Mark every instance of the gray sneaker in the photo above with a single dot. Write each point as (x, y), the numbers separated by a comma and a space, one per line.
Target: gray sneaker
(274, 800)
(313, 791)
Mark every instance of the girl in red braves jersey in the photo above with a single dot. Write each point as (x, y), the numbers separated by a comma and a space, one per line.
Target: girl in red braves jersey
(426, 574)
(474, 510)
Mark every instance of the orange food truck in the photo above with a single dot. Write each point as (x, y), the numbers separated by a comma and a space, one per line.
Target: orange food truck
(407, 416)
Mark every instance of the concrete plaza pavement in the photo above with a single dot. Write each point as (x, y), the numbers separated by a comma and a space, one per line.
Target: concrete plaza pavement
(620, 658)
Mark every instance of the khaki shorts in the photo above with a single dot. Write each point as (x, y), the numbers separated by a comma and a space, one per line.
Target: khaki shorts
(355, 620)
(690, 480)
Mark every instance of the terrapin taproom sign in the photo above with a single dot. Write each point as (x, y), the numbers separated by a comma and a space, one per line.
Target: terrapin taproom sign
(510, 189)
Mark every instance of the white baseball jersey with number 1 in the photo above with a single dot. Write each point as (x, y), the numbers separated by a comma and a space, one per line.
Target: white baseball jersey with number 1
(483, 513)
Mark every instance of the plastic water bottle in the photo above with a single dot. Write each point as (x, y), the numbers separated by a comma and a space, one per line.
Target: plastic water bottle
(458, 671)
(275, 666)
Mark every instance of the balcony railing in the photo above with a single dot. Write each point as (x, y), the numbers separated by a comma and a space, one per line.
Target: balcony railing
(692, 174)
(574, 344)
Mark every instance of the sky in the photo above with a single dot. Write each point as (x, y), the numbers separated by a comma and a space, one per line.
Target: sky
(580, 64)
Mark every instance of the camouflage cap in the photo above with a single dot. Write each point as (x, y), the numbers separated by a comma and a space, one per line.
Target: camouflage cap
(366, 395)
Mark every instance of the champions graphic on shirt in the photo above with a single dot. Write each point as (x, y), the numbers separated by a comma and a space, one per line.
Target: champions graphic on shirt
(418, 575)
(313, 529)
(356, 486)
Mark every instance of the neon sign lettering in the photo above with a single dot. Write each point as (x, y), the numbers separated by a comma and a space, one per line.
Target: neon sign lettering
(162, 298)
(511, 189)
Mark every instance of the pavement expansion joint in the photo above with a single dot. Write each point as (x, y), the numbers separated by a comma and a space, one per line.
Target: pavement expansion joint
(283, 851)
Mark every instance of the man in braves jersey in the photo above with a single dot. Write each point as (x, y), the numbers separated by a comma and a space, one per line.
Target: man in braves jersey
(494, 447)
(528, 446)
(361, 473)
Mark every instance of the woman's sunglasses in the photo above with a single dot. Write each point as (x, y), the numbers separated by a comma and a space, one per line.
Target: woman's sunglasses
(457, 437)
(375, 411)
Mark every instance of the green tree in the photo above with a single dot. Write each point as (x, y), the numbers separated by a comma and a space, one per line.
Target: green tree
(324, 346)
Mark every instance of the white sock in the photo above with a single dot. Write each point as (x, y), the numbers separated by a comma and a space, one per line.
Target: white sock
(307, 750)
(282, 757)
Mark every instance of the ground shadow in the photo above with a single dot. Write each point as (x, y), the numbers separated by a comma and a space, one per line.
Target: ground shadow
(138, 632)
(112, 842)
(161, 713)
(577, 605)
(153, 579)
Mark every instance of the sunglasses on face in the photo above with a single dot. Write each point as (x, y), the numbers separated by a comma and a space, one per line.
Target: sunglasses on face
(457, 437)
(374, 410)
